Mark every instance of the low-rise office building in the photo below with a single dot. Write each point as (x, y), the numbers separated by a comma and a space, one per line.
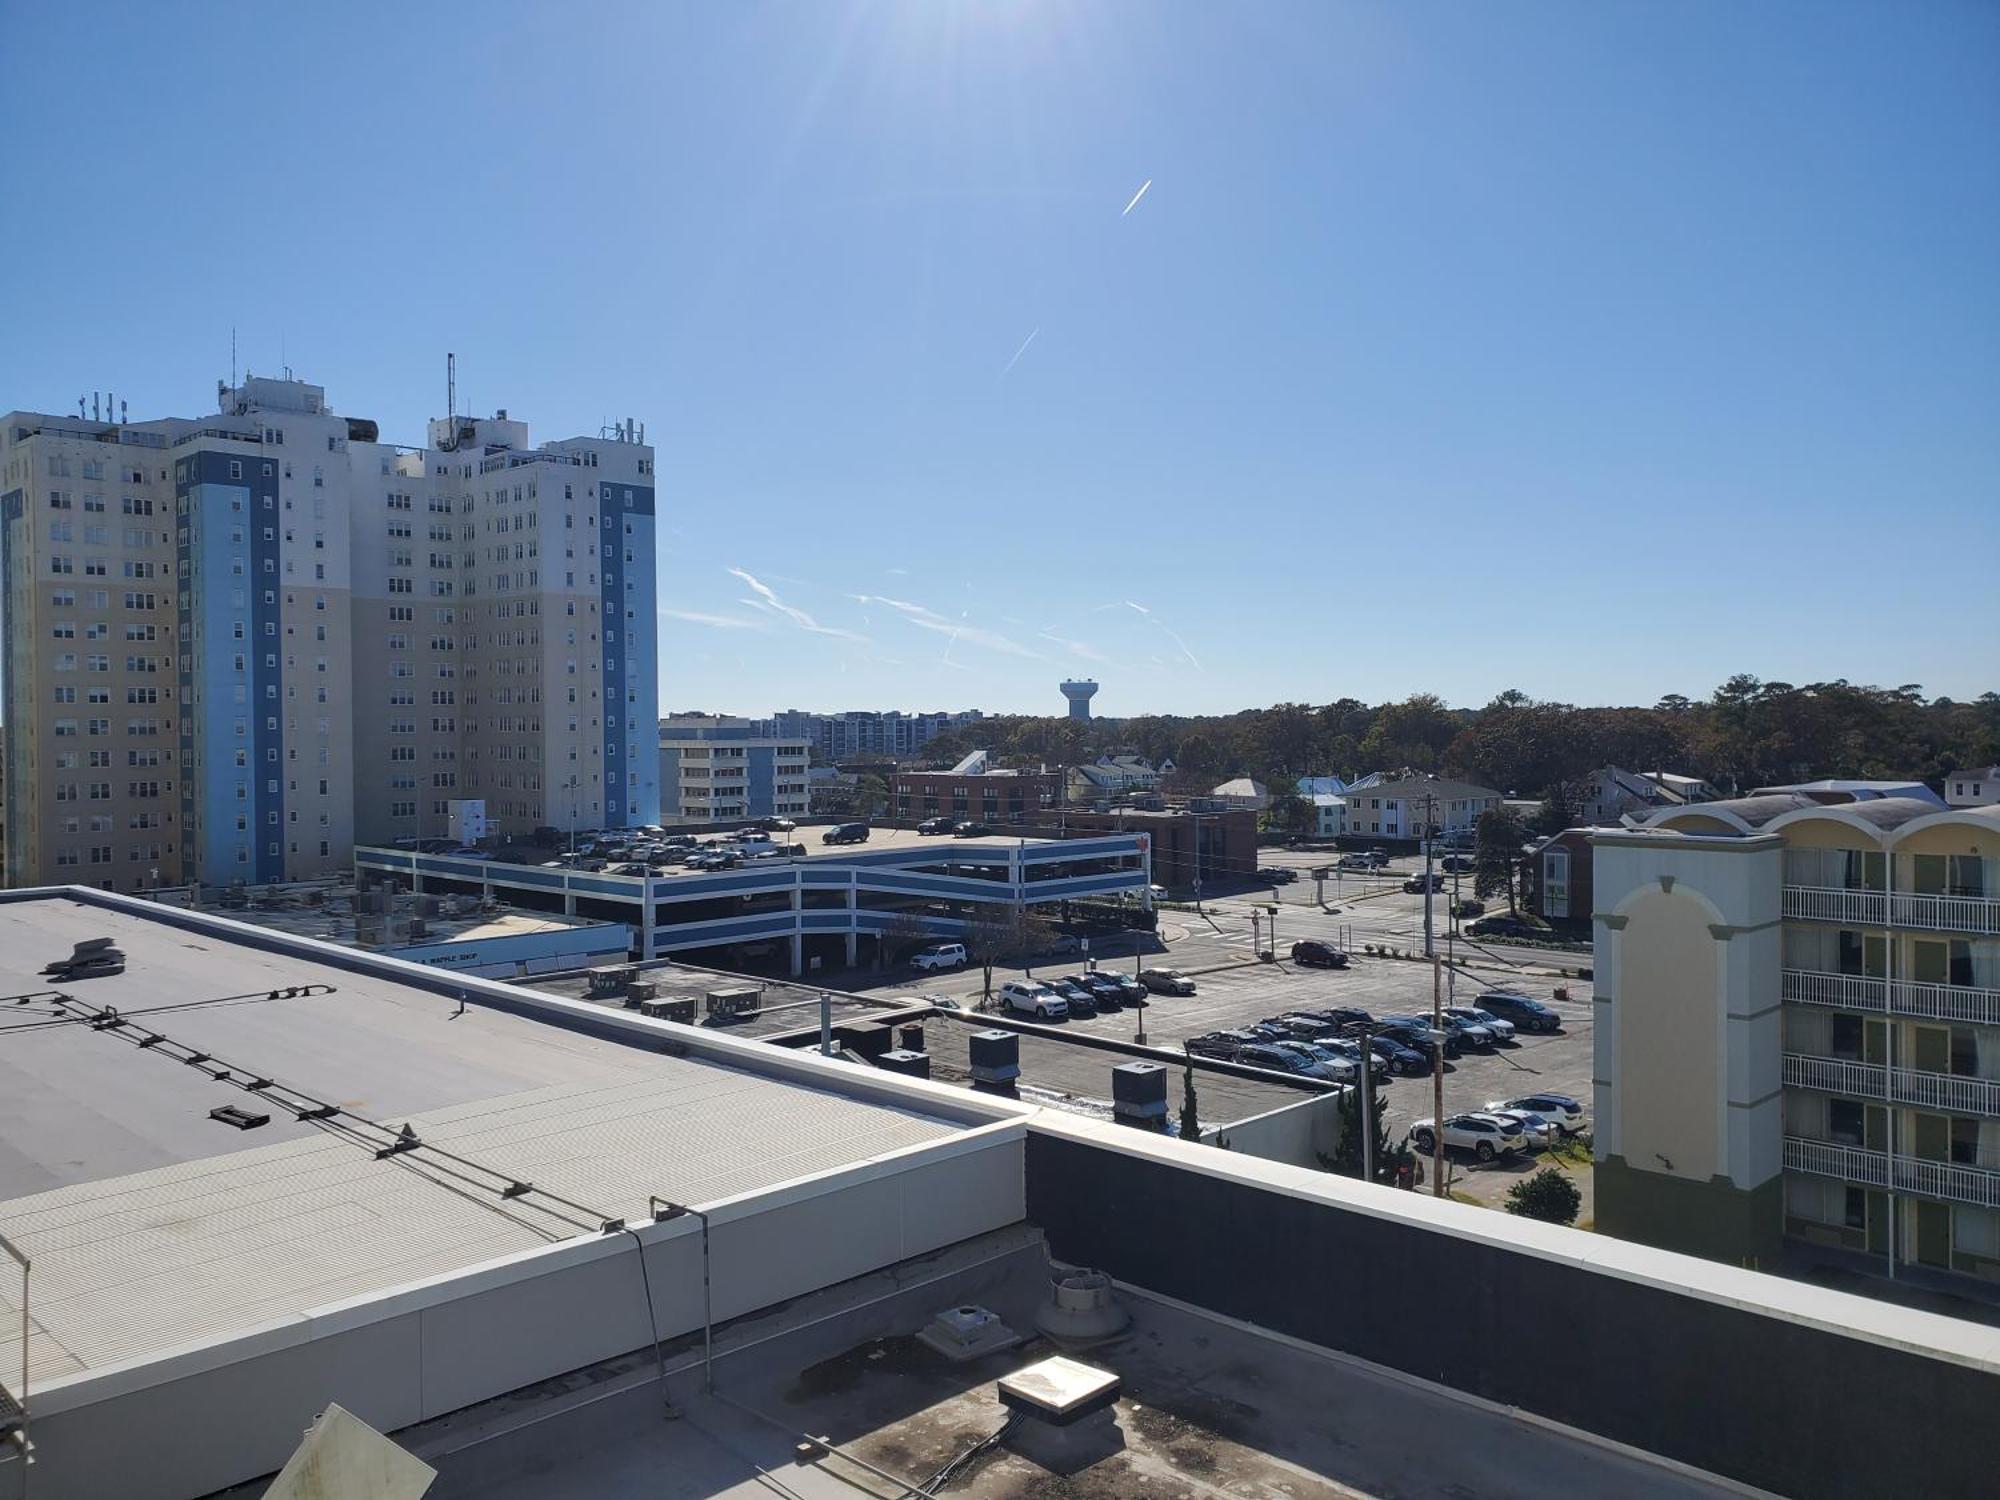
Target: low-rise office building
(973, 793)
(715, 770)
(1798, 1031)
(1189, 850)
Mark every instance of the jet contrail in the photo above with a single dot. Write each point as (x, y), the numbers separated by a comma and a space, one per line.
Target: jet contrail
(1018, 353)
(1137, 196)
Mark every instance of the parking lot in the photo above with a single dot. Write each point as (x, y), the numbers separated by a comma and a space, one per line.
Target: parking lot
(1233, 989)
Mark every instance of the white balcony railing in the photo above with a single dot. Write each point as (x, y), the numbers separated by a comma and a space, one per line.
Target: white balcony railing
(1950, 1093)
(1903, 997)
(1929, 1179)
(1859, 908)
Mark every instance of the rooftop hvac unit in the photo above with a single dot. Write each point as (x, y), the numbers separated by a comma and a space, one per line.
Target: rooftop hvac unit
(419, 927)
(725, 1002)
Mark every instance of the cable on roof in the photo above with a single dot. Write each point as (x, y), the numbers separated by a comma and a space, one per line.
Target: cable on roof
(283, 992)
(392, 1143)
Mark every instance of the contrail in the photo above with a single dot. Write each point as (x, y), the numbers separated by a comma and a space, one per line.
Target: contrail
(1137, 196)
(1018, 353)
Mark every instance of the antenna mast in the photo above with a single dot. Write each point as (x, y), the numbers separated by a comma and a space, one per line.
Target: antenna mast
(451, 390)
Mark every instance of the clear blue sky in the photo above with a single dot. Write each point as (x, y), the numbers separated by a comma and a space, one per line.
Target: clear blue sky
(1600, 350)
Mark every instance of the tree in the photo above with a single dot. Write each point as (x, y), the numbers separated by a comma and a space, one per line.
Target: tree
(871, 796)
(1289, 813)
(1190, 1116)
(1558, 810)
(1496, 853)
(1004, 933)
(1549, 1196)
(905, 933)
(1346, 1158)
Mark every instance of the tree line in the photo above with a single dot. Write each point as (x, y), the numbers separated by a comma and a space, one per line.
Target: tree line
(1745, 734)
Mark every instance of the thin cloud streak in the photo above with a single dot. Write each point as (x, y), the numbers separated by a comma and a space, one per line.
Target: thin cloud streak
(1172, 634)
(1018, 353)
(718, 622)
(1137, 196)
(1080, 648)
(930, 619)
(797, 616)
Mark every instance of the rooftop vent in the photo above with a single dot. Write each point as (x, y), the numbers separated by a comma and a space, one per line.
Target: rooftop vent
(961, 1334)
(1081, 1309)
(1066, 1411)
(242, 1119)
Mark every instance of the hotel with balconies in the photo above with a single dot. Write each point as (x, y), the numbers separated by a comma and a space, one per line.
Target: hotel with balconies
(1798, 1032)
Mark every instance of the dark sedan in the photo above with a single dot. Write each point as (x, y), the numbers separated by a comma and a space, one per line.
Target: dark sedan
(1526, 1012)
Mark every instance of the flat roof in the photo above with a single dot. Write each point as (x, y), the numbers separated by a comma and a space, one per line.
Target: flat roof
(152, 1226)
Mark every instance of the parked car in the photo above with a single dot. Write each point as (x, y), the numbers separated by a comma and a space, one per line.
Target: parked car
(1459, 862)
(1279, 1060)
(1561, 1110)
(1032, 999)
(1415, 1032)
(970, 831)
(1315, 954)
(632, 867)
(930, 826)
(1076, 997)
(845, 833)
(1105, 992)
(1404, 1059)
(1504, 926)
(1222, 1044)
(1277, 874)
(1526, 1012)
(1492, 1025)
(1538, 1130)
(1316, 1062)
(1416, 885)
(776, 825)
(1306, 1028)
(1166, 982)
(940, 956)
(1469, 1033)
(1485, 1136)
(1130, 990)
(1157, 892)
(1468, 907)
(1351, 1054)
(1343, 1016)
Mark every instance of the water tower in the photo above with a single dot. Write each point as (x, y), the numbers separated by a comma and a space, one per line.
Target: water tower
(1079, 695)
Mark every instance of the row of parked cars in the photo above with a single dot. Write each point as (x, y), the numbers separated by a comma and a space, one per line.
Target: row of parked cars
(1090, 993)
(1318, 1042)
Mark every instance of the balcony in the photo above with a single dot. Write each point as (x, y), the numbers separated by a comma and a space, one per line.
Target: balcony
(1904, 997)
(1863, 908)
(1947, 1093)
(1929, 1179)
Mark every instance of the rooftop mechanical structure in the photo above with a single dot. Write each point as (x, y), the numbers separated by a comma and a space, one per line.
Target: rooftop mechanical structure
(1079, 695)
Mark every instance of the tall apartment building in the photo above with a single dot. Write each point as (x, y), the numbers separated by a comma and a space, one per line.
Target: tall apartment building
(715, 769)
(1798, 1031)
(877, 732)
(237, 644)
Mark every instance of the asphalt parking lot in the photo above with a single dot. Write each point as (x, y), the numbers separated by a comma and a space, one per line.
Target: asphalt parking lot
(1233, 989)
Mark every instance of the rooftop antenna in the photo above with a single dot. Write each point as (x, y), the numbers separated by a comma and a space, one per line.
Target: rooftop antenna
(451, 390)
(232, 354)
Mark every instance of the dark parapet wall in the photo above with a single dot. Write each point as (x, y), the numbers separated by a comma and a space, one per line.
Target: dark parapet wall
(1789, 1401)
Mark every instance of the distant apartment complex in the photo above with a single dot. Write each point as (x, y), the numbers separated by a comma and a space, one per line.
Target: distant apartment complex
(716, 769)
(238, 644)
(1397, 809)
(862, 732)
(1798, 1030)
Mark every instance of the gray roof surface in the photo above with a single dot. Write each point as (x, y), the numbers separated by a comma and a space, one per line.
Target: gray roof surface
(151, 1225)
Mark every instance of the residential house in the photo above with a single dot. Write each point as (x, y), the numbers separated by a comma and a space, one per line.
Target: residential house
(1608, 794)
(1976, 786)
(1244, 792)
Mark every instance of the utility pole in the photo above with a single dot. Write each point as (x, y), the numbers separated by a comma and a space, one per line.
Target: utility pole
(1366, 1084)
(1437, 1083)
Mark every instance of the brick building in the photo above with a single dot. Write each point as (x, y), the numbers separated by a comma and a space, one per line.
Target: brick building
(1221, 845)
(980, 796)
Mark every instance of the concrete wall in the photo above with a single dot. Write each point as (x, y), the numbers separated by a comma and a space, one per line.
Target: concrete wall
(1295, 1134)
(221, 1413)
(1773, 1383)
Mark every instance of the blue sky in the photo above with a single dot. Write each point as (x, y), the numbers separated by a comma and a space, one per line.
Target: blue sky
(1600, 350)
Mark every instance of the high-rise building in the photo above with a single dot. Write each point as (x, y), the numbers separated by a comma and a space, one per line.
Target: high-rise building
(238, 644)
(1798, 1031)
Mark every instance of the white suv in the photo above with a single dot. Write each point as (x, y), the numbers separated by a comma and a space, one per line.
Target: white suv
(940, 956)
(1032, 999)
(1485, 1136)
